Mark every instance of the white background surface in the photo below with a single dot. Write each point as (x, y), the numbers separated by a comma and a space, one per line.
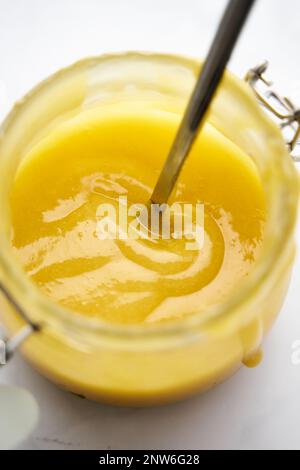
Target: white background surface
(255, 409)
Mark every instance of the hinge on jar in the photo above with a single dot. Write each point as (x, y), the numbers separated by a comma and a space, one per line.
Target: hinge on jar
(9, 345)
(281, 107)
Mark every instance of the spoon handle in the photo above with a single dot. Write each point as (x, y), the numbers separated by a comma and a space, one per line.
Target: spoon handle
(219, 54)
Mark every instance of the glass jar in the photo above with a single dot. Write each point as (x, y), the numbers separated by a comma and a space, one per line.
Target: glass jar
(134, 365)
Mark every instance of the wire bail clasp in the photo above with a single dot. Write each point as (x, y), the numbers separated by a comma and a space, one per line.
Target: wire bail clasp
(281, 107)
(9, 345)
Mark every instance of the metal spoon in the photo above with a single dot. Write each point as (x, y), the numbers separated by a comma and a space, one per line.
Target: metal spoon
(219, 54)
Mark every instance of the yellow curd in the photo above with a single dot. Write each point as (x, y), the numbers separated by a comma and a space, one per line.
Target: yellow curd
(118, 151)
(139, 321)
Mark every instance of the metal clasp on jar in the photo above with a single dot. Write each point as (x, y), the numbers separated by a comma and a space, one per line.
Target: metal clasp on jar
(280, 107)
(9, 345)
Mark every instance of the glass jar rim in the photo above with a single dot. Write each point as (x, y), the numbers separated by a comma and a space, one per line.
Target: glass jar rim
(199, 321)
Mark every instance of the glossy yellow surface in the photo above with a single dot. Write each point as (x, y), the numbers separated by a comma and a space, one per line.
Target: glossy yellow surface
(102, 154)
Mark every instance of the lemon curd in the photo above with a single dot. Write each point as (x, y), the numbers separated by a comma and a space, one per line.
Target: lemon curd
(103, 154)
(141, 321)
